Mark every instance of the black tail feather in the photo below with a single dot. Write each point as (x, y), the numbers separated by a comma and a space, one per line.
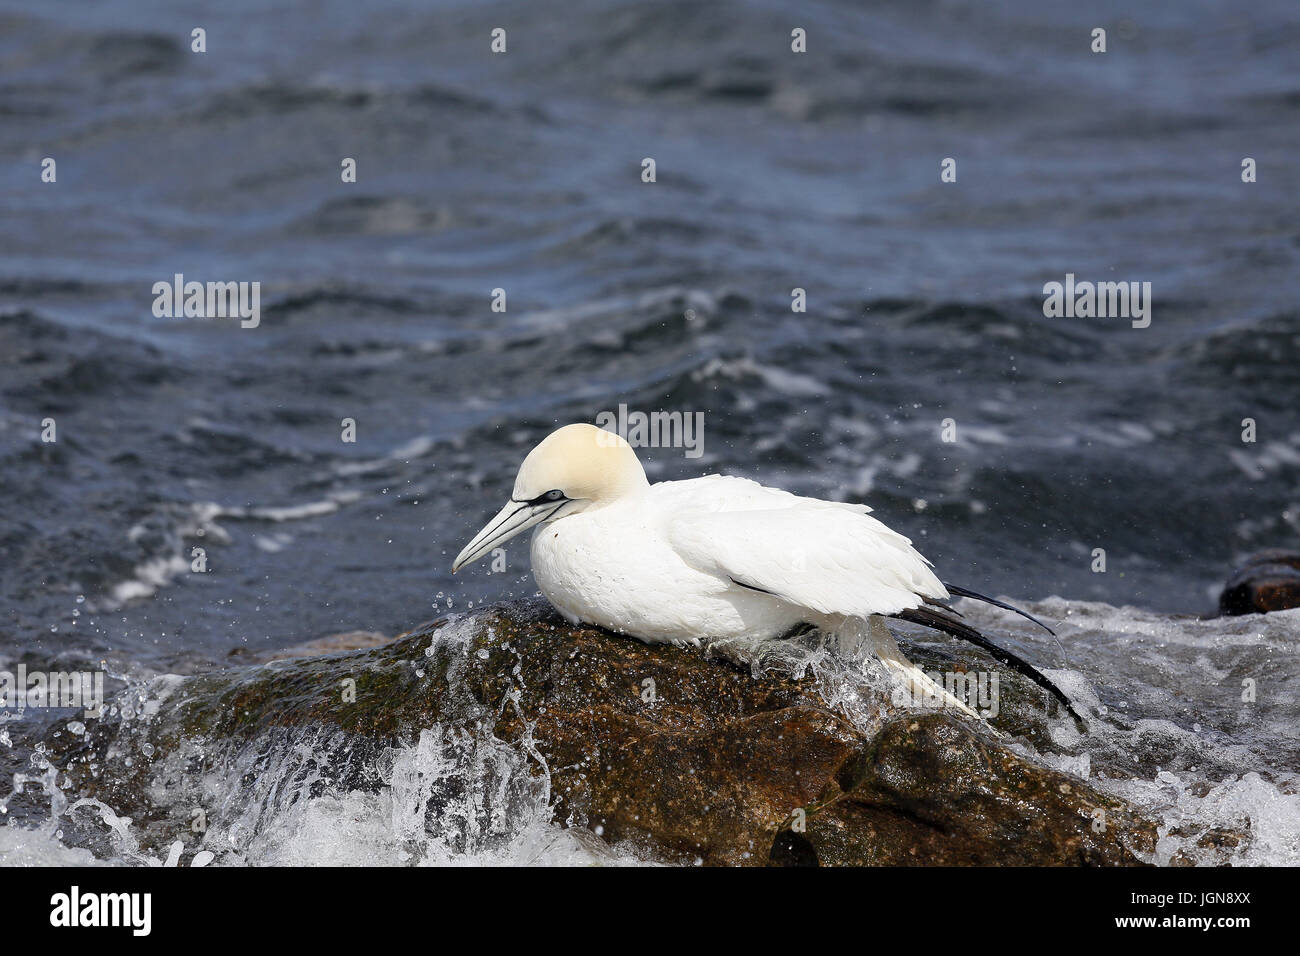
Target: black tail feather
(932, 619)
(945, 607)
(967, 593)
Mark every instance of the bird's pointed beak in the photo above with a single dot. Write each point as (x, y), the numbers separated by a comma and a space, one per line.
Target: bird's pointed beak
(515, 517)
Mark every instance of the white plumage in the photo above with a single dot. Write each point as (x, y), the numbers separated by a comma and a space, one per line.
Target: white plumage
(714, 558)
(711, 558)
(722, 557)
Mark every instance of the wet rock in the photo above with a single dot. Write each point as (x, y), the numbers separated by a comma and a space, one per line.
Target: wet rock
(1268, 581)
(329, 644)
(692, 758)
(929, 790)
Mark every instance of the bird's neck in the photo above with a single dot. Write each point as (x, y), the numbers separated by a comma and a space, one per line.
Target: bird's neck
(630, 489)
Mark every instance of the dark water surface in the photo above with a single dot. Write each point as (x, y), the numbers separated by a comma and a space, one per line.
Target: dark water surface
(522, 171)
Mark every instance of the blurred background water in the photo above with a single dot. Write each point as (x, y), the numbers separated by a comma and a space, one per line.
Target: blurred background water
(522, 171)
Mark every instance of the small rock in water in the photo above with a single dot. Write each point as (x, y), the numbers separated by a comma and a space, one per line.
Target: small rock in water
(1268, 581)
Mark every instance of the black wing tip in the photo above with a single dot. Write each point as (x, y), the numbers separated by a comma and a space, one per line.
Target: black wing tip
(976, 596)
(927, 617)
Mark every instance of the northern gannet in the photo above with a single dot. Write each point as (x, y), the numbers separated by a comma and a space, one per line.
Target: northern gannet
(718, 557)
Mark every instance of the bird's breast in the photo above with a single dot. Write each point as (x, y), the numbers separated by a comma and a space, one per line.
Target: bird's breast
(623, 575)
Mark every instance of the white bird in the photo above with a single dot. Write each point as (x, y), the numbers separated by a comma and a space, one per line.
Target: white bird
(717, 558)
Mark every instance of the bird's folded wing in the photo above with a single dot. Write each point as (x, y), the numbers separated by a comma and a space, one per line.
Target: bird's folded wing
(828, 557)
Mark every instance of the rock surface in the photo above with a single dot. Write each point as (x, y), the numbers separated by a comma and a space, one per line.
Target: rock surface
(1268, 581)
(691, 758)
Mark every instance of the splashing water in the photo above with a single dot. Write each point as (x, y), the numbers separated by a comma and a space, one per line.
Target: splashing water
(1175, 726)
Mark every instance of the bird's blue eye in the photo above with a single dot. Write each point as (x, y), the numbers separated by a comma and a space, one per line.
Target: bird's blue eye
(555, 495)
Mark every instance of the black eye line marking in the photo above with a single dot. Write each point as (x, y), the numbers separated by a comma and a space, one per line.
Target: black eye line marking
(550, 497)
